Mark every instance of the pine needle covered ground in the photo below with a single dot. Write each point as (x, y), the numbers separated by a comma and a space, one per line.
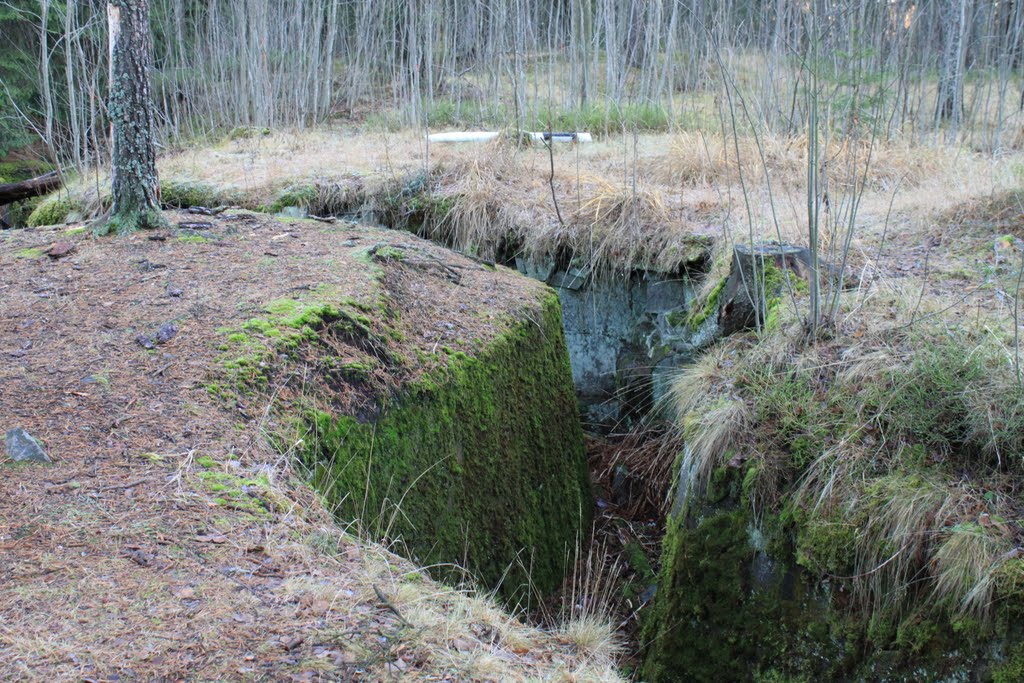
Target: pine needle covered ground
(169, 540)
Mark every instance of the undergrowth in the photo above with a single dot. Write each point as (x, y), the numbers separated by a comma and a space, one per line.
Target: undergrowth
(897, 456)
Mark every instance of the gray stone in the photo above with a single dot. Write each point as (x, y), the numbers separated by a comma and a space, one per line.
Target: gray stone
(573, 279)
(667, 295)
(23, 447)
(166, 333)
(536, 268)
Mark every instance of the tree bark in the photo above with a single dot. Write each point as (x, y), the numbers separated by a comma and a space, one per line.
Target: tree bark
(133, 175)
(949, 107)
(33, 187)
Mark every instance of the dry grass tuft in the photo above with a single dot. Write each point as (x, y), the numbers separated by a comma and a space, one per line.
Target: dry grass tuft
(710, 436)
(964, 566)
(713, 418)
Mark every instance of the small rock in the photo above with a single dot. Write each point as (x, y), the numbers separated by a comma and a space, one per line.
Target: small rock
(60, 250)
(174, 291)
(292, 642)
(465, 644)
(166, 333)
(146, 266)
(23, 447)
(162, 336)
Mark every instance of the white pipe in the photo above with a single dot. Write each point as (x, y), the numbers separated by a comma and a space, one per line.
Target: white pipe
(481, 136)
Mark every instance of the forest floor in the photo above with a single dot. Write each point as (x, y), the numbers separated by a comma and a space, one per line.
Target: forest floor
(168, 541)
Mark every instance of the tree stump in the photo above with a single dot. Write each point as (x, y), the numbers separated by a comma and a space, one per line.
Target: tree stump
(747, 289)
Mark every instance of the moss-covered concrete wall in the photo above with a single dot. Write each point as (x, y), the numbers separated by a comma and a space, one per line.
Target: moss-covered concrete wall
(478, 463)
(741, 598)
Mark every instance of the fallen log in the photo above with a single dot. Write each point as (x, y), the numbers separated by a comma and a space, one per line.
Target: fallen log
(33, 187)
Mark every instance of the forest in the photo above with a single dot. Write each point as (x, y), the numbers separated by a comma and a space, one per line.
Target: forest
(509, 340)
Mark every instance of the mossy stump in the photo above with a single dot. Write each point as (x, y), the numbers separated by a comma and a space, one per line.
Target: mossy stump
(757, 279)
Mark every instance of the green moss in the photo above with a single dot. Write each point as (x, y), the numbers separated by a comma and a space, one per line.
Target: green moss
(248, 354)
(23, 169)
(130, 221)
(826, 547)
(356, 371)
(697, 317)
(390, 253)
(252, 495)
(916, 633)
(1011, 670)
(721, 613)
(247, 132)
(53, 210)
(475, 464)
(193, 239)
(181, 193)
(30, 253)
(638, 562)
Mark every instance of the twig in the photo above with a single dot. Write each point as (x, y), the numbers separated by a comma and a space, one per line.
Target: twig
(160, 371)
(1016, 322)
(924, 285)
(115, 487)
(550, 142)
(387, 603)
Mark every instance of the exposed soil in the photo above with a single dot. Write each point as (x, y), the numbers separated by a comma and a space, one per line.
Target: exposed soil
(121, 562)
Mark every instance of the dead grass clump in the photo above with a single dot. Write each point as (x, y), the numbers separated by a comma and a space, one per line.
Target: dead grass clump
(591, 601)
(337, 196)
(476, 213)
(1002, 212)
(613, 222)
(965, 565)
(901, 514)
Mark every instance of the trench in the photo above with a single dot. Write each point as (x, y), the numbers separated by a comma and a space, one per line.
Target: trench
(627, 334)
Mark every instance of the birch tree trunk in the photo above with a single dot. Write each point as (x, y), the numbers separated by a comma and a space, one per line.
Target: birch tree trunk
(133, 171)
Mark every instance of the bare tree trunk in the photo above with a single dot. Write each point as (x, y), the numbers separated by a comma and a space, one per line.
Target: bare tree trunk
(951, 84)
(133, 171)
